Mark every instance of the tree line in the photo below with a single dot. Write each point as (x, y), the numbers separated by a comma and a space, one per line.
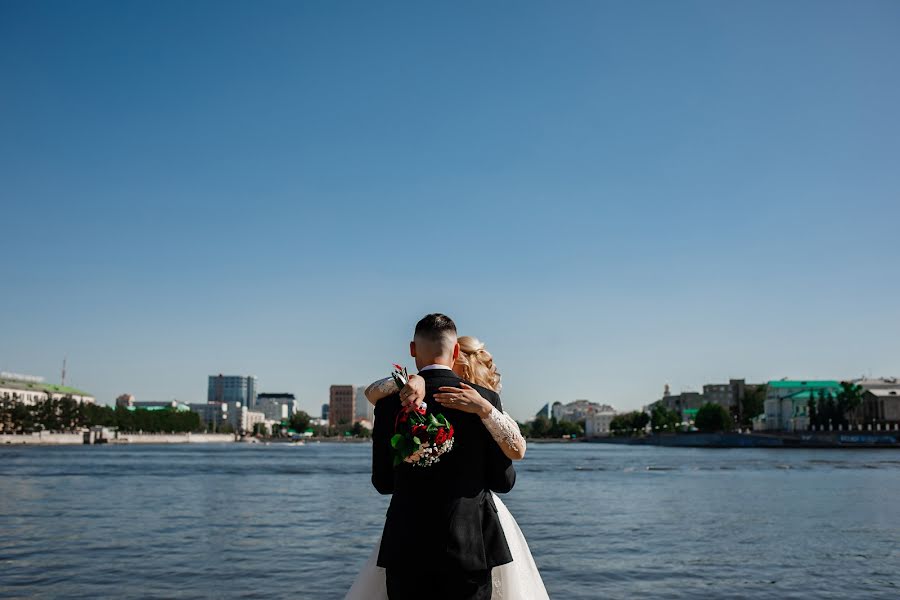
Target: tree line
(542, 427)
(68, 415)
(834, 409)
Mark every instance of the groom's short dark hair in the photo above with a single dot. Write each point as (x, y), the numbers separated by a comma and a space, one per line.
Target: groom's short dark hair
(435, 326)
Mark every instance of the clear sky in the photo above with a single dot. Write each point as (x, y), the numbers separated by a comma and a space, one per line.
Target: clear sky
(613, 195)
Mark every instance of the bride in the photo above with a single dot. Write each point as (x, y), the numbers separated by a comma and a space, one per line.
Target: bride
(519, 579)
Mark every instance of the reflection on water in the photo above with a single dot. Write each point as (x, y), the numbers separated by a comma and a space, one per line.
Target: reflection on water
(236, 521)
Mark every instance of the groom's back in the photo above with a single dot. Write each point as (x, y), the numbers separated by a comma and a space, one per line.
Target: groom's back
(449, 500)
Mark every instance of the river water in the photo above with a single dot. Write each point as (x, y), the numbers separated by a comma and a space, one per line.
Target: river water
(603, 521)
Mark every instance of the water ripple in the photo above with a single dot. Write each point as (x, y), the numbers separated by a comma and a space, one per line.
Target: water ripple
(236, 521)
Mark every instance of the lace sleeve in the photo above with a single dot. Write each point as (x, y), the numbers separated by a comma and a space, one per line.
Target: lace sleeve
(381, 389)
(504, 430)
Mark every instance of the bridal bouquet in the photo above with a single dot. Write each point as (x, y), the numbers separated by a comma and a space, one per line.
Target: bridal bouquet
(419, 438)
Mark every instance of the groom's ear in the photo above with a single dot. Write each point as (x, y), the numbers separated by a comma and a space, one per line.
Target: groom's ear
(412, 349)
(455, 351)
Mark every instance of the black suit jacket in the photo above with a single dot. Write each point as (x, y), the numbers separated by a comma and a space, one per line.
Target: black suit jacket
(443, 512)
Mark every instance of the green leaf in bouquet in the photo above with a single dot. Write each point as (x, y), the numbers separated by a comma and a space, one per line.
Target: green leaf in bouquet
(433, 421)
(396, 440)
(417, 441)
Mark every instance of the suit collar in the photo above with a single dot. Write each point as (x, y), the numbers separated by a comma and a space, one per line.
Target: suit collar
(435, 367)
(437, 373)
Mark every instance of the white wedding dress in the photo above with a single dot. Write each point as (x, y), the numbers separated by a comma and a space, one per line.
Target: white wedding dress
(518, 580)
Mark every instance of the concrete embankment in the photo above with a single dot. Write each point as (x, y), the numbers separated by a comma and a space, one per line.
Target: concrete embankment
(885, 439)
(174, 438)
(43, 438)
(49, 439)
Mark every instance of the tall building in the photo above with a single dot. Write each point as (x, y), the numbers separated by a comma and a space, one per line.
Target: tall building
(325, 408)
(729, 395)
(364, 409)
(340, 404)
(685, 404)
(545, 411)
(231, 389)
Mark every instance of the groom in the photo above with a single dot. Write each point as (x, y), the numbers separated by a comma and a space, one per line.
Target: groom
(442, 535)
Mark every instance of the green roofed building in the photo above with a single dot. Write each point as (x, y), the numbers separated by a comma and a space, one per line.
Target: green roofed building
(787, 403)
(30, 390)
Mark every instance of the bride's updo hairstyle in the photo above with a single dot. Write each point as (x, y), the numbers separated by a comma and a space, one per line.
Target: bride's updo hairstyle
(477, 364)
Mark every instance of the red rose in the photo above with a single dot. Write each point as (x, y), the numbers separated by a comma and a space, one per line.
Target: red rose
(398, 367)
(419, 431)
(440, 437)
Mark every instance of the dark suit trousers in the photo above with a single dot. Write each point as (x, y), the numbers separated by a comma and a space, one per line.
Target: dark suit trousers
(419, 582)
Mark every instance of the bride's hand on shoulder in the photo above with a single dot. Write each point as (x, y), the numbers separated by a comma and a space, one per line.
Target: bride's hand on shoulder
(414, 391)
(464, 398)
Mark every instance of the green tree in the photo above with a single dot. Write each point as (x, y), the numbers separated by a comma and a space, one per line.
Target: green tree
(299, 421)
(713, 417)
(24, 417)
(540, 427)
(7, 405)
(525, 430)
(629, 423)
(360, 431)
(752, 404)
(569, 429)
(663, 419)
(68, 413)
(47, 415)
(848, 400)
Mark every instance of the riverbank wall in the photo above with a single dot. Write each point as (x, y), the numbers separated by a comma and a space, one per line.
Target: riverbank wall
(758, 440)
(56, 439)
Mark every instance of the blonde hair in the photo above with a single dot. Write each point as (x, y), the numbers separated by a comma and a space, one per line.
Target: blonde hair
(477, 363)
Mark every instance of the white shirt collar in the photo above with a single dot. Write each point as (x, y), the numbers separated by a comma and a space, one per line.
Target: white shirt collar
(434, 367)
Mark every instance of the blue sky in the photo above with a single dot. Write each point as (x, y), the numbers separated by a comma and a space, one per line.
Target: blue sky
(613, 195)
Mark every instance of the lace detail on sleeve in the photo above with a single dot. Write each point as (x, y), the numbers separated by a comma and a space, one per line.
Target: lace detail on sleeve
(504, 430)
(381, 389)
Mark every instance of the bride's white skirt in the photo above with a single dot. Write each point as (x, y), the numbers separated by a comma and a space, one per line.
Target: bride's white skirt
(518, 580)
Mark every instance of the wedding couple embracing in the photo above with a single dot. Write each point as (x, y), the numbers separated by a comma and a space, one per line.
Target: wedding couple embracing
(447, 535)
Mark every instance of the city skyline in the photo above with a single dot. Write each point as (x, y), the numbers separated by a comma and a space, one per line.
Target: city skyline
(612, 198)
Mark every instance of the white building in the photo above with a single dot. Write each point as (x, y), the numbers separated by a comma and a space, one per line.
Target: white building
(364, 410)
(249, 419)
(579, 410)
(30, 389)
(597, 423)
